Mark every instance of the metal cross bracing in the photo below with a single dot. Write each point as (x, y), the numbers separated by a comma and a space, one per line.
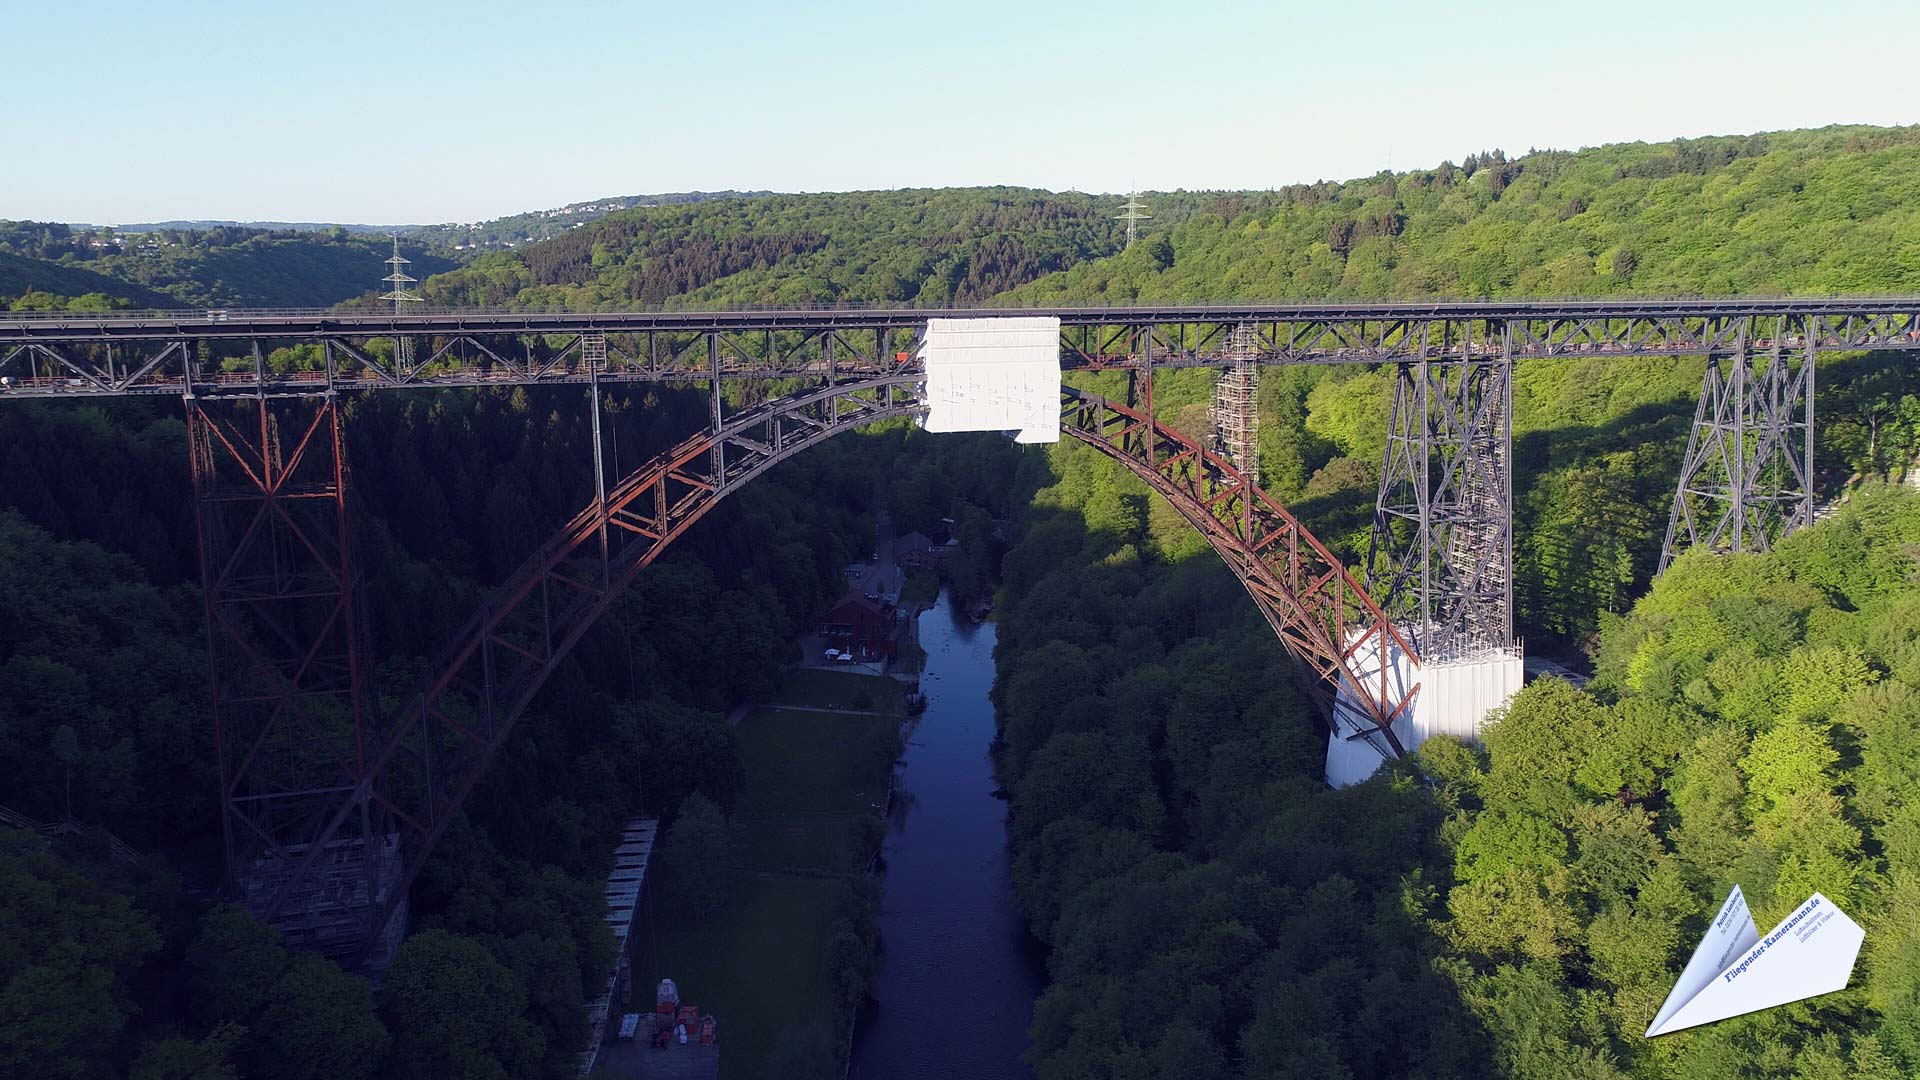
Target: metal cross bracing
(331, 806)
(294, 709)
(1747, 476)
(1322, 615)
(1440, 561)
(430, 751)
(211, 353)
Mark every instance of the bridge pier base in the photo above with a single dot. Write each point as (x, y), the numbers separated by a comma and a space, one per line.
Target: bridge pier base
(1441, 557)
(1747, 477)
(1450, 697)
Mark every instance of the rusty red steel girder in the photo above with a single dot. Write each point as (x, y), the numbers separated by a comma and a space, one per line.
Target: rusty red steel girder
(400, 792)
(441, 739)
(291, 689)
(1323, 616)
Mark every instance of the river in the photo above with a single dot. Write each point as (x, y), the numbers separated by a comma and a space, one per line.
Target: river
(958, 973)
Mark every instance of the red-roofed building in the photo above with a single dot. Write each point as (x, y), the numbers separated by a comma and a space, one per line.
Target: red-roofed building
(868, 629)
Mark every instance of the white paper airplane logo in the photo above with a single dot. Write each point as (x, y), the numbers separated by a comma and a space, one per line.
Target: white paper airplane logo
(1736, 971)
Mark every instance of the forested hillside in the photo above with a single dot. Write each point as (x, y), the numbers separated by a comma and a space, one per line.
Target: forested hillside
(107, 723)
(1597, 441)
(1211, 909)
(929, 247)
(1518, 910)
(226, 266)
(516, 229)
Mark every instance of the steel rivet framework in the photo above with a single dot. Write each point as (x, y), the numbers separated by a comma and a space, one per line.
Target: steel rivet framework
(1322, 615)
(1440, 560)
(1747, 477)
(295, 715)
(329, 806)
(436, 745)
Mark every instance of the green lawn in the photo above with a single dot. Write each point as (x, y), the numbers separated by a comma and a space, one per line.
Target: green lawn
(759, 965)
(812, 779)
(815, 763)
(922, 587)
(823, 689)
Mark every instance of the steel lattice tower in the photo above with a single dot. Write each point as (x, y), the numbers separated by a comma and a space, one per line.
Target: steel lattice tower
(1747, 478)
(1133, 212)
(401, 297)
(1441, 558)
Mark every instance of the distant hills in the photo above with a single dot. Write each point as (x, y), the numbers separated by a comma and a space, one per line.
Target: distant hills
(1830, 210)
(46, 265)
(537, 225)
(268, 226)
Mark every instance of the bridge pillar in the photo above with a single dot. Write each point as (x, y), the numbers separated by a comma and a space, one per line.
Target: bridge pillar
(1441, 557)
(295, 714)
(1747, 477)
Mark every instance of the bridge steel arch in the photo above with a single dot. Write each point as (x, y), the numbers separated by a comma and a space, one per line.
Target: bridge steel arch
(1322, 615)
(435, 746)
(336, 880)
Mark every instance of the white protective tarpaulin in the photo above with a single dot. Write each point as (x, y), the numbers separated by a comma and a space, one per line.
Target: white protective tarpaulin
(994, 374)
(1454, 699)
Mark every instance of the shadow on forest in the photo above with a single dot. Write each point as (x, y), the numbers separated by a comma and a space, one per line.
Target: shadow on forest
(1164, 688)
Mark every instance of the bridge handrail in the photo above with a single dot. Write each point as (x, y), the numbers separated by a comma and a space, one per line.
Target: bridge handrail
(1700, 303)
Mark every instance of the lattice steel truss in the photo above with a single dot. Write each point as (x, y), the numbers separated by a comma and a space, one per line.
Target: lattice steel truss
(295, 714)
(1323, 617)
(1441, 558)
(430, 752)
(73, 354)
(1747, 477)
(1236, 410)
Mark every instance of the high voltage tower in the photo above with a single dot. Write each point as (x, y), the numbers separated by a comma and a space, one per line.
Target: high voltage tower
(1133, 213)
(401, 297)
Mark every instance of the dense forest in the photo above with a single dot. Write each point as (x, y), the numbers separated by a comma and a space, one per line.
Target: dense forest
(1515, 908)
(1519, 908)
(44, 265)
(926, 247)
(516, 229)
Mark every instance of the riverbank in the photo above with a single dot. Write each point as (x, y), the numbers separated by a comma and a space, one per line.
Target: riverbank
(770, 963)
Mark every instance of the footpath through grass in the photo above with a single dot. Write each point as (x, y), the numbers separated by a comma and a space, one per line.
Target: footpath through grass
(803, 832)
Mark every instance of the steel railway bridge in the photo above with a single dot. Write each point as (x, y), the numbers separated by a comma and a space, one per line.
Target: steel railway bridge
(331, 803)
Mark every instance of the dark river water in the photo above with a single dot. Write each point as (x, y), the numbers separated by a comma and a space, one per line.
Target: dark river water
(958, 973)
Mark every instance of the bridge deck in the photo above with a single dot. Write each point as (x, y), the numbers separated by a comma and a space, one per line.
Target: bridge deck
(230, 352)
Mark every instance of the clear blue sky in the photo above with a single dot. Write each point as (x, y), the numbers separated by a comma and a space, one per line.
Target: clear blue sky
(425, 111)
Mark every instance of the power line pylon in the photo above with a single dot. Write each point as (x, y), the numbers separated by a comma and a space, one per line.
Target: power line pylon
(401, 297)
(1133, 213)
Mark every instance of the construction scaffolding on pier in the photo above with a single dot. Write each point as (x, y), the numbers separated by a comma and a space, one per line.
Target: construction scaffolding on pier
(1235, 413)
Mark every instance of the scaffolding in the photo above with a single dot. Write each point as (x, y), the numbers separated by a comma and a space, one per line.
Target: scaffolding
(1235, 413)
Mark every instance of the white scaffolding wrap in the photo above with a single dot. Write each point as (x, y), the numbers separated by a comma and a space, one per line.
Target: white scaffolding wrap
(994, 375)
(1454, 699)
